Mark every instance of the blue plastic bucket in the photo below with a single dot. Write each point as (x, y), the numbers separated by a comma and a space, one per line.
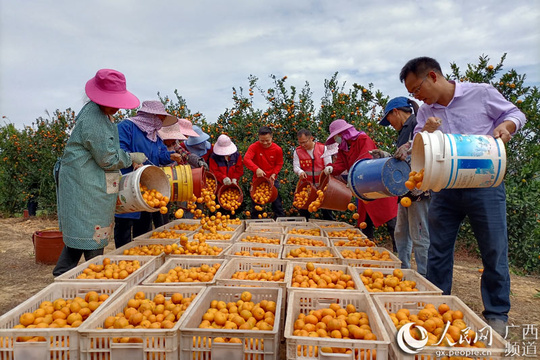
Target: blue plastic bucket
(372, 179)
(454, 161)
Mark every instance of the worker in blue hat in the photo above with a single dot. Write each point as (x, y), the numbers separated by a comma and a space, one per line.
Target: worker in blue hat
(411, 230)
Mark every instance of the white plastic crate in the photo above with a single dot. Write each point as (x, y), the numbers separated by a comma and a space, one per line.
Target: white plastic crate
(197, 343)
(148, 265)
(264, 228)
(393, 263)
(274, 236)
(305, 228)
(305, 348)
(291, 219)
(171, 225)
(340, 232)
(393, 303)
(323, 239)
(424, 286)
(253, 248)
(98, 344)
(139, 243)
(258, 221)
(322, 260)
(358, 286)
(358, 242)
(223, 245)
(212, 237)
(224, 278)
(60, 343)
(171, 263)
(331, 225)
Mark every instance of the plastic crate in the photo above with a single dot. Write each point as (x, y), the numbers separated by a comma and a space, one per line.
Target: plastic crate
(393, 263)
(98, 344)
(291, 219)
(303, 301)
(321, 260)
(335, 233)
(172, 224)
(221, 244)
(171, 263)
(135, 243)
(299, 228)
(363, 242)
(332, 225)
(212, 237)
(318, 238)
(346, 270)
(197, 343)
(275, 236)
(148, 265)
(258, 221)
(252, 248)
(224, 278)
(61, 343)
(393, 303)
(424, 286)
(265, 228)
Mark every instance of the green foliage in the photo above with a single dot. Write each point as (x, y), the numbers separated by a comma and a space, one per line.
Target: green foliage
(28, 155)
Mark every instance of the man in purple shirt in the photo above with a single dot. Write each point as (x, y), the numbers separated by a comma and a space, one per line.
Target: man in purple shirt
(477, 109)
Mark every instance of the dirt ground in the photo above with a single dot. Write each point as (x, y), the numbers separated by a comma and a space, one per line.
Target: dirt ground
(21, 277)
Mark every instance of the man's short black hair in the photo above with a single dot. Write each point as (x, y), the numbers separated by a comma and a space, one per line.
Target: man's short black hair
(419, 66)
(263, 130)
(303, 132)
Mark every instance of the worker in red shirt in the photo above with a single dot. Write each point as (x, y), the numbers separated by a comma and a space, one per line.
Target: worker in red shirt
(265, 158)
(308, 163)
(226, 162)
(353, 146)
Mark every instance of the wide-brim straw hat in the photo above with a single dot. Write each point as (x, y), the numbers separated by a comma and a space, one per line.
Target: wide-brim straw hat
(186, 127)
(156, 107)
(202, 136)
(108, 88)
(337, 127)
(224, 146)
(171, 132)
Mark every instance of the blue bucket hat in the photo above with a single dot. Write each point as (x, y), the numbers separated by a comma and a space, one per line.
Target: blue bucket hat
(395, 103)
(193, 140)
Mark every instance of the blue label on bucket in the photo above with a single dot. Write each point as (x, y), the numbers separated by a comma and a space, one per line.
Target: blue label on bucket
(472, 145)
(482, 166)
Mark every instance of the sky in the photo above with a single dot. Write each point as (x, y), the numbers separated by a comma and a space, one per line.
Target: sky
(49, 49)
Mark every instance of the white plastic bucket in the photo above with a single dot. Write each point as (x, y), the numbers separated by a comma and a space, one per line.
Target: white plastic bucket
(453, 161)
(129, 190)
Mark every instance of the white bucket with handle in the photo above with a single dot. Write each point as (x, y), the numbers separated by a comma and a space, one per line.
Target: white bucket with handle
(129, 189)
(454, 161)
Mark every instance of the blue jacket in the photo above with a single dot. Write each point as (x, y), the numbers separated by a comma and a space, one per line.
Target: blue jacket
(133, 139)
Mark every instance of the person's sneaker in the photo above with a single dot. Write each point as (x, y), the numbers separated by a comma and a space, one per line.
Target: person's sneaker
(498, 325)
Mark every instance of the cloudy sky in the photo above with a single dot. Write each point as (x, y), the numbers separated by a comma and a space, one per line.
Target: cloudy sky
(50, 48)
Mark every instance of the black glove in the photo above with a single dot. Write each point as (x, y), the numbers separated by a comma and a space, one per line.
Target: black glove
(203, 164)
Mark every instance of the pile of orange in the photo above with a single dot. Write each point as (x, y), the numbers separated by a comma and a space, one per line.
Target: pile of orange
(212, 236)
(262, 193)
(262, 275)
(350, 234)
(211, 184)
(185, 227)
(214, 223)
(60, 313)
(415, 180)
(143, 313)
(230, 199)
(198, 247)
(155, 199)
(302, 252)
(110, 270)
(305, 241)
(243, 314)
(368, 254)
(320, 277)
(150, 249)
(203, 273)
(375, 281)
(300, 231)
(257, 252)
(360, 241)
(434, 320)
(335, 322)
(208, 197)
(261, 240)
(336, 225)
(316, 204)
(167, 234)
(301, 196)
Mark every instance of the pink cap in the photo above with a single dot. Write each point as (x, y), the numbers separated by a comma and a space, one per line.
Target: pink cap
(108, 88)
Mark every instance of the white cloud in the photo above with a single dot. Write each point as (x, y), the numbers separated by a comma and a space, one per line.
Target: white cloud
(204, 48)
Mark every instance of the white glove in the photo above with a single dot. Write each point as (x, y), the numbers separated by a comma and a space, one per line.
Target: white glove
(227, 181)
(235, 182)
(329, 170)
(138, 157)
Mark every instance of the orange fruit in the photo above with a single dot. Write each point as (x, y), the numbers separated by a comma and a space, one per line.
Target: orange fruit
(351, 206)
(409, 184)
(363, 225)
(405, 201)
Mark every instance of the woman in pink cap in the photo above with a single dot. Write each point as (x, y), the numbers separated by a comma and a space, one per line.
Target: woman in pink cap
(226, 161)
(353, 146)
(87, 176)
(140, 134)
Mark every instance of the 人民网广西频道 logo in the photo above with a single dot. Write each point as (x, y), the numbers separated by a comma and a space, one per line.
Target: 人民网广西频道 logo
(407, 342)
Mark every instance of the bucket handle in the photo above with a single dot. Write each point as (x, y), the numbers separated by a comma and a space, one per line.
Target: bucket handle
(441, 156)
